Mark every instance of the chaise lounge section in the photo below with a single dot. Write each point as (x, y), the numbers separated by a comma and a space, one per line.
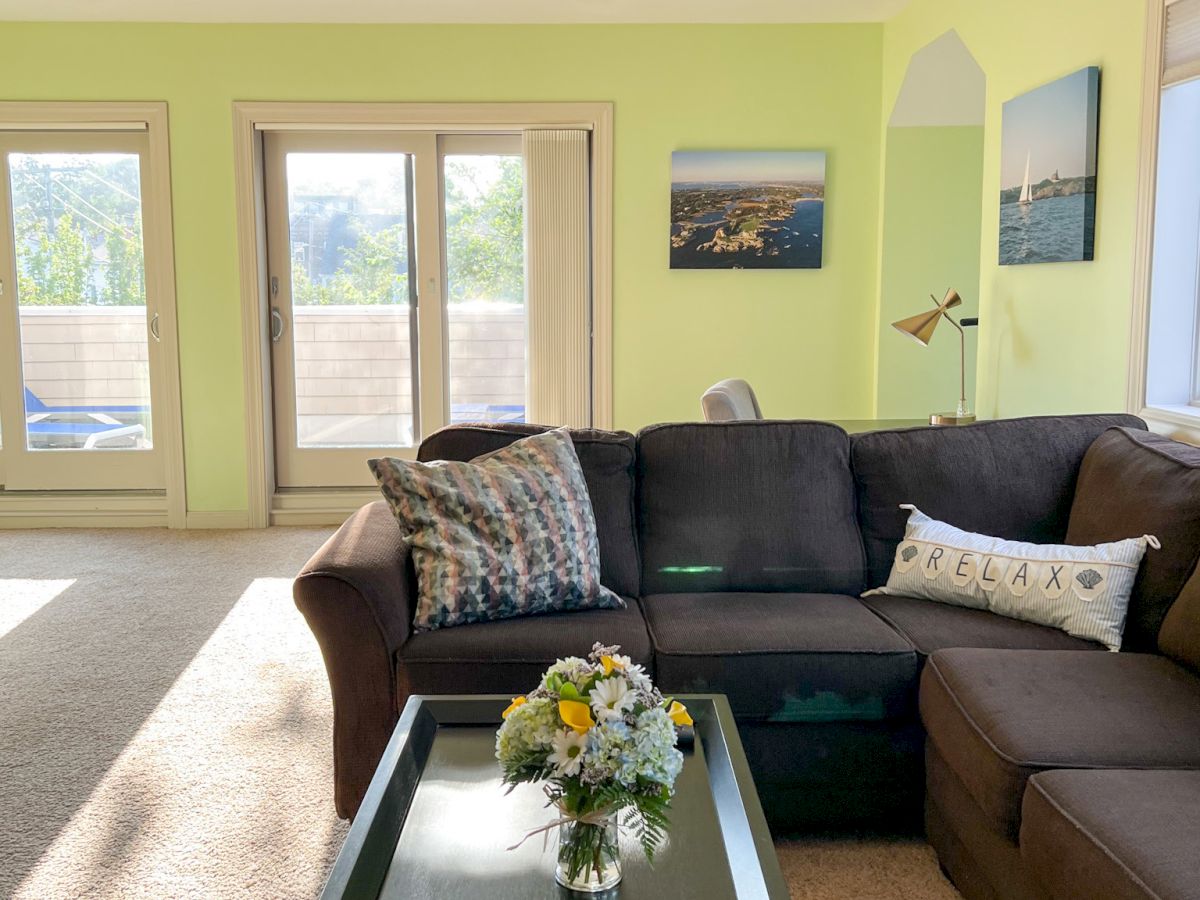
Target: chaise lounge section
(1034, 759)
(742, 549)
(1124, 834)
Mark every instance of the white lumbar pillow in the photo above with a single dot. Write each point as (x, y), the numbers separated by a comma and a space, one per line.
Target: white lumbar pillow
(1082, 590)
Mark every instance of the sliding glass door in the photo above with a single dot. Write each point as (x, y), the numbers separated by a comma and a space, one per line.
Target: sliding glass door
(396, 294)
(78, 331)
(344, 302)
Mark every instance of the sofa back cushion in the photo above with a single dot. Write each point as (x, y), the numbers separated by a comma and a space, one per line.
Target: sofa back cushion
(607, 460)
(1179, 637)
(1133, 482)
(747, 506)
(1010, 478)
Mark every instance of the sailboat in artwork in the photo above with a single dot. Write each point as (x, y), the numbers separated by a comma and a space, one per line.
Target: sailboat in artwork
(1025, 192)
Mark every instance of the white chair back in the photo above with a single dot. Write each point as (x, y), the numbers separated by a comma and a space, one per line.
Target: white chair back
(730, 400)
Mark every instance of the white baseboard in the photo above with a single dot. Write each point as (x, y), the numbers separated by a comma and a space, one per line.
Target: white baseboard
(131, 511)
(218, 518)
(36, 509)
(328, 507)
(309, 518)
(82, 520)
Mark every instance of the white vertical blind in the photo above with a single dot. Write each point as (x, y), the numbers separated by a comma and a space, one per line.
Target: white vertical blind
(558, 276)
(1181, 52)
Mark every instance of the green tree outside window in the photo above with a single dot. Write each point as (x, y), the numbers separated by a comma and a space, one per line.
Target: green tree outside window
(78, 229)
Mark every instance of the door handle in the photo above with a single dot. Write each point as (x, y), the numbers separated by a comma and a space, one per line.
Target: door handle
(154, 328)
(276, 324)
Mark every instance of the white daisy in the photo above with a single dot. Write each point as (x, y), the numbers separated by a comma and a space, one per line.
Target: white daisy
(611, 698)
(638, 679)
(567, 755)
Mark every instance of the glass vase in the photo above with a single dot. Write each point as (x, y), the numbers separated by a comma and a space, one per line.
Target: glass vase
(589, 856)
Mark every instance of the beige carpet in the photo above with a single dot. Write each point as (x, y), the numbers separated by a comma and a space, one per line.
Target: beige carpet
(164, 728)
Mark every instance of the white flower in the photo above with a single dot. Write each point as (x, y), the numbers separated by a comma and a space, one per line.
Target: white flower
(567, 755)
(611, 698)
(572, 669)
(638, 679)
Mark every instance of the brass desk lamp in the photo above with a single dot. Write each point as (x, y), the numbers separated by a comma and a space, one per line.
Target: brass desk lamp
(920, 328)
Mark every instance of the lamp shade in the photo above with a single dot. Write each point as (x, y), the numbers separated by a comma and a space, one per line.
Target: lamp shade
(921, 326)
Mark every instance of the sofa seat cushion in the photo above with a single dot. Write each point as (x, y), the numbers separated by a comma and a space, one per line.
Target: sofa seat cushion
(1124, 835)
(508, 656)
(783, 657)
(999, 716)
(931, 626)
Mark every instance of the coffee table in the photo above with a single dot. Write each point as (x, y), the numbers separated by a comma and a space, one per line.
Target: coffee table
(435, 820)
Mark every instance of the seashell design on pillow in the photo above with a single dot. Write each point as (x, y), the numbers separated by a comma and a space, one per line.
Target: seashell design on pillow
(1080, 589)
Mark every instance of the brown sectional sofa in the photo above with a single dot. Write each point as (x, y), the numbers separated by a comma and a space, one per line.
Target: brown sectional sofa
(1046, 768)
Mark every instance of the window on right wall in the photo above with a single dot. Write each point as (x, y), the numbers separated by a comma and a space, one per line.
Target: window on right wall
(1172, 361)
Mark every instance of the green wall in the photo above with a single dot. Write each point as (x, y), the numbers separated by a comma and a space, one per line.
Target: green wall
(1053, 337)
(804, 338)
(931, 209)
(814, 343)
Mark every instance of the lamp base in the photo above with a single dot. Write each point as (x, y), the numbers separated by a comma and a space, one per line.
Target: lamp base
(950, 419)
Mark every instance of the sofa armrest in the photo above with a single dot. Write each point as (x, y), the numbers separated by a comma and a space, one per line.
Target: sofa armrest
(357, 595)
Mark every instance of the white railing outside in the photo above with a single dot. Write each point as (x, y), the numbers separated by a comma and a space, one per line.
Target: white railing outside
(351, 361)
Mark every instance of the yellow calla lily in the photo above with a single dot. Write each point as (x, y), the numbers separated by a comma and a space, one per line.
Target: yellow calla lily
(678, 714)
(575, 715)
(609, 664)
(516, 701)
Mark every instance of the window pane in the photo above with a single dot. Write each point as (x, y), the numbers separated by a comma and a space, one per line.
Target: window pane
(485, 281)
(81, 299)
(1172, 347)
(349, 221)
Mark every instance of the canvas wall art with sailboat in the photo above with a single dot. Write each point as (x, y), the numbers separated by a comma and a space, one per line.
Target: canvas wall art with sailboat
(1048, 171)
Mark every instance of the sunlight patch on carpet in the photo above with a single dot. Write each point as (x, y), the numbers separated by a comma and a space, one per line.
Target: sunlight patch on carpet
(20, 598)
(225, 789)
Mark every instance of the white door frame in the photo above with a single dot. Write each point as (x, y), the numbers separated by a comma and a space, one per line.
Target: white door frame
(122, 507)
(250, 119)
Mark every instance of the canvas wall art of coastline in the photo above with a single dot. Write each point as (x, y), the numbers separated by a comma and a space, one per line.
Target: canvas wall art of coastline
(1048, 172)
(747, 209)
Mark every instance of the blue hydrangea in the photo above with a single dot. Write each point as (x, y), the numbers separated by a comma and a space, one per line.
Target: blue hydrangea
(607, 751)
(654, 756)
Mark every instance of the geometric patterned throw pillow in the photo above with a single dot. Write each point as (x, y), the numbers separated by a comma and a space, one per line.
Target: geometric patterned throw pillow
(1083, 591)
(511, 533)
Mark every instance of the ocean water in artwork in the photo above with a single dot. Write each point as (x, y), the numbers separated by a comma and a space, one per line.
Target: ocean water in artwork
(787, 238)
(1053, 229)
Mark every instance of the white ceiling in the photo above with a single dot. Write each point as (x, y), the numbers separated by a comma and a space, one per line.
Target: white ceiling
(457, 11)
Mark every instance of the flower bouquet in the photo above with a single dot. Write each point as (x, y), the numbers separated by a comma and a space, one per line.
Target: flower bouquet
(602, 737)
